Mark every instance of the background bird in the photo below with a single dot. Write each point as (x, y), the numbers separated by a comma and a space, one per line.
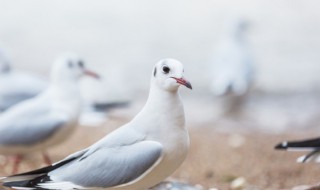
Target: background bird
(311, 145)
(17, 86)
(232, 66)
(136, 156)
(47, 119)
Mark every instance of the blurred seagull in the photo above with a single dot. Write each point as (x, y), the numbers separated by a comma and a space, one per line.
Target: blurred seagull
(311, 145)
(49, 118)
(232, 68)
(17, 86)
(232, 64)
(136, 156)
(100, 100)
(95, 114)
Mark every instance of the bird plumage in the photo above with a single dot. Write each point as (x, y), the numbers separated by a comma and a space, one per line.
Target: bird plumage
(312, 145)
(47, 119)
(136, 156)
(17, 86)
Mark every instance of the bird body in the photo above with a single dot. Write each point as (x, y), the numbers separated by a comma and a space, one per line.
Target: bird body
(311, 145)
(136, 156)
(17, 86)
(47, 119)
(172, 134)
(232, 70)
(51, 123)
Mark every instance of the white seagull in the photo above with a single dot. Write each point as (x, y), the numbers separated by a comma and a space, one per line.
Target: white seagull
(232, 70)
(47, 119)
(232, 66)
(311, 145)
(17, 86)
(136, 156)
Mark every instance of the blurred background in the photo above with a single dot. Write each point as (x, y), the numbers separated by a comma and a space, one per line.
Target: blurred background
(122, 40)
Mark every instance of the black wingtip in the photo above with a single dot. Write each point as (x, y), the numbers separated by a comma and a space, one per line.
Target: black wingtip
(12, 184)
(281, 146)
(28, 183)
(309, 143)
(37, 176)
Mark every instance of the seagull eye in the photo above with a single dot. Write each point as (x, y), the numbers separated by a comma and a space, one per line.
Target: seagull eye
(165, 69)
(81, 64)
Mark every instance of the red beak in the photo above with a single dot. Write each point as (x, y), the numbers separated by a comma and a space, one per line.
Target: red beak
(91, 73)
(183, 81)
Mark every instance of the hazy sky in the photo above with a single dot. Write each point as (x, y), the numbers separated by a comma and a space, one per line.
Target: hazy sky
(123, 38)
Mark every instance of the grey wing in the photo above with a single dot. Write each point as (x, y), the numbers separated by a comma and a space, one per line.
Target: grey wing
(107, 167)
(17, 87)
(6, 101)
(29, 128)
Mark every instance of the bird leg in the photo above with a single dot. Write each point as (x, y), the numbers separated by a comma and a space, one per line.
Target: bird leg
(46, 158)
(16, 163)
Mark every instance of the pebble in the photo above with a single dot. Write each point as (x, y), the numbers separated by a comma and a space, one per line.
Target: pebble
(172, 185)
(238, 183)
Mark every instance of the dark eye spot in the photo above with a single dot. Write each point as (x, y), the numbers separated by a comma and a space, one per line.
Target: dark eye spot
(155, 72)
(165, 69)
(81, 64)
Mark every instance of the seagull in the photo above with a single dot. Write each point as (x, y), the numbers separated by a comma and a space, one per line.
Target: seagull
(47, 119)
(312, 145)
(232, 65)
(138, 155)
(17, 86)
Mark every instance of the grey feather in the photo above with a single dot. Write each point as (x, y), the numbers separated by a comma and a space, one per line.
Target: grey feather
(18, 86)
(109, 167)
(9, 100)
(24, 132)
(29, 123)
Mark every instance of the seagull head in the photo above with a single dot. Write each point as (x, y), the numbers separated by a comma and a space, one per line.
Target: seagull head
(71, 67)
(237, 27)
(168, 75)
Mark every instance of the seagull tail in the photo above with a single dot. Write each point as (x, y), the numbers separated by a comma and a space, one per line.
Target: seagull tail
(30, 180)
(27, 184)
(314, 155)
(309, 144)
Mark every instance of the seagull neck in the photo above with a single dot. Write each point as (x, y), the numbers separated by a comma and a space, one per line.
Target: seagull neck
(236, 35)
(162, 97)
(163, 110)
(164, 105)
(66, 95)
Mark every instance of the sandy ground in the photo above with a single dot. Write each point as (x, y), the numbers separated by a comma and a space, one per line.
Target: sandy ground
(215, 158)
